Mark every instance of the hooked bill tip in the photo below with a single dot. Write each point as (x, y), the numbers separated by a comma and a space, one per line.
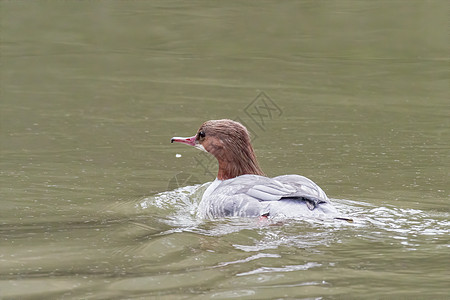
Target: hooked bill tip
(171, 140)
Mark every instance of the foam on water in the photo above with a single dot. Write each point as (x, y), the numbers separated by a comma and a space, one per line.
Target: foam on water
(178, 208)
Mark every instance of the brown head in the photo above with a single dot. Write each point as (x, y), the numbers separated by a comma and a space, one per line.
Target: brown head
(229, 142)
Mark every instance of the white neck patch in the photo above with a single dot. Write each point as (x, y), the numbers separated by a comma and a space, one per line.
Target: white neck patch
(200, 147)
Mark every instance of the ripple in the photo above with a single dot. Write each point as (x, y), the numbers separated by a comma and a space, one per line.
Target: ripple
(291, 268)
(405, 226)
(253, 257)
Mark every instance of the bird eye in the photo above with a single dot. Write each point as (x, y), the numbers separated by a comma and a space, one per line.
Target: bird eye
(201, 134)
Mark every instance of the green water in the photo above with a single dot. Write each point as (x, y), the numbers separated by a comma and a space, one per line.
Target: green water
(352, 94)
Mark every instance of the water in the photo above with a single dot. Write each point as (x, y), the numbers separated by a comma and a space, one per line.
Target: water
(352, 94)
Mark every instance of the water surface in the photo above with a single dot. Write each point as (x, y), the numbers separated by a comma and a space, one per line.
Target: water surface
(352, 94)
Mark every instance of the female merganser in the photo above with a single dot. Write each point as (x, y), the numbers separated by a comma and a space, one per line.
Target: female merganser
(241, 188)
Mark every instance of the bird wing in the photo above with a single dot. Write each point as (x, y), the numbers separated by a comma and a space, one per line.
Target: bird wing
(292, 187)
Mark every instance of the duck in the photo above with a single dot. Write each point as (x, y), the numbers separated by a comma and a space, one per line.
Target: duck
(242, 189)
